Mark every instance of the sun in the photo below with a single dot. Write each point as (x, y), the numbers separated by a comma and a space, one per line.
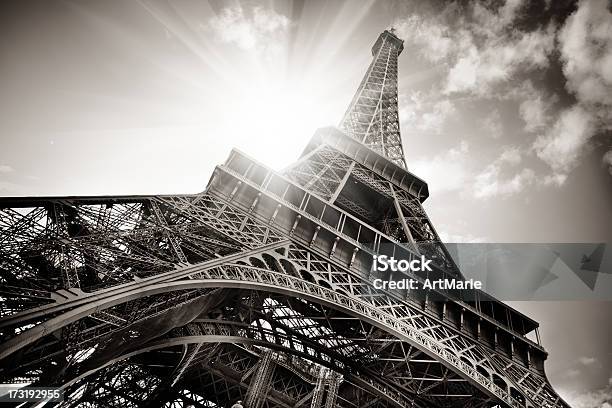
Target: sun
(274, 119)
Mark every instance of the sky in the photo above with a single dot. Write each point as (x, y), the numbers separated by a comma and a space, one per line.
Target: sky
(505, 110)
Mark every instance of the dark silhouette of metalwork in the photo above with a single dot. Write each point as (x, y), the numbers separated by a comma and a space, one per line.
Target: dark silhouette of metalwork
(259, 289)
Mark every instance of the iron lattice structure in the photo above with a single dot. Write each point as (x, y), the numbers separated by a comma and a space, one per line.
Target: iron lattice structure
(260, 288)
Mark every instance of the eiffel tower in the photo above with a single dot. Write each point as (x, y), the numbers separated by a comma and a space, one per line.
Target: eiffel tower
(260, 289)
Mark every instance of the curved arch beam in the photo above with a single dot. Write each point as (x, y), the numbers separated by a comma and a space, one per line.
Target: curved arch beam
(211, 338)
(243, 277)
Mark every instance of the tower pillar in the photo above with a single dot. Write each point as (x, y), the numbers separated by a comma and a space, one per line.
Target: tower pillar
(258, 388)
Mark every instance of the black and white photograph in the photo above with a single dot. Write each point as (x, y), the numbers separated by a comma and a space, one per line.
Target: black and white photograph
(306, 203)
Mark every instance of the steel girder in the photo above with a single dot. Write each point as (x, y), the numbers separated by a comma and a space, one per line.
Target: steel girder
(215, 332)
(326, 172)
(349, 294)
(393, 318)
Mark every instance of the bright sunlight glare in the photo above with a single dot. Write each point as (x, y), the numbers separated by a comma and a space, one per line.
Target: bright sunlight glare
(276, 120)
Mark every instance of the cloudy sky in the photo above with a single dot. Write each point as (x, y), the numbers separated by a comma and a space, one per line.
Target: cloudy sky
(505, 111)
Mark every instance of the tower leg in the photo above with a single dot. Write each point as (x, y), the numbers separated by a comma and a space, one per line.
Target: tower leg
(332, 392)
(319, 391)
(326, 389)
(260, 383)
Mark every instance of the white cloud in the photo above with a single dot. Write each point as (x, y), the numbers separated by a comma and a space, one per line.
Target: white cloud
(563, 144)
(477, 45)
(585, 43)
(499, 59)
(417, 113)
(455, 232)
(460, 238)
(572, 373)
(450, 171)
(510, 155)
(4, 168)
(463, 75)
(489, 20)
(435, 117)
(491, 182)
(601, 398)
(607, 159)
(533, 111)
(447, 171)
(555, 179)
(492, 124)
(587, 360)
(483, 53)
(586, 49)
(433, 37)
(249, 31)
(509, 10)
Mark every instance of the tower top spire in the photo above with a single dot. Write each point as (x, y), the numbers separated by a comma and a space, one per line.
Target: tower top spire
(390, 36)
(372, 117)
